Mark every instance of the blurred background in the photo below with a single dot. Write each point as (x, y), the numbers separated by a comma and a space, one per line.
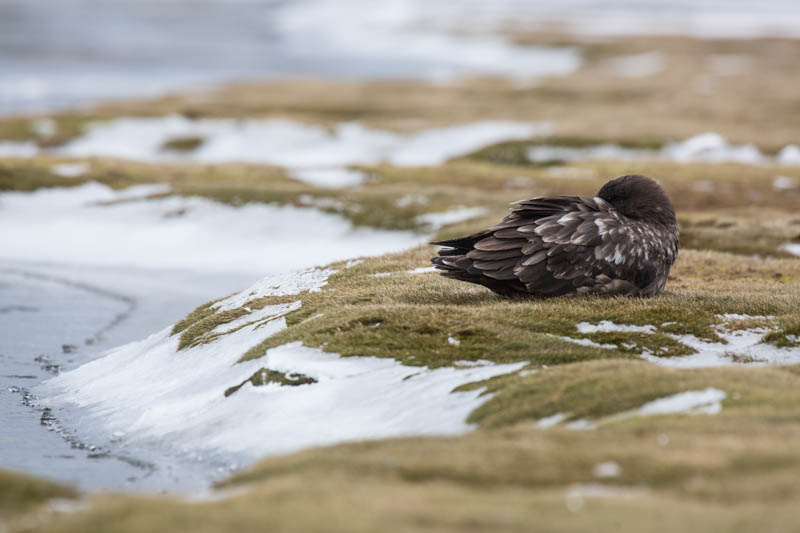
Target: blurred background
(61, 53)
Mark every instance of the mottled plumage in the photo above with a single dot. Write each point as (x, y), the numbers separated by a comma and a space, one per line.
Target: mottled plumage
(621, 242)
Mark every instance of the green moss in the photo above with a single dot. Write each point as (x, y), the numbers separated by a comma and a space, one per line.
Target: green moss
(182, 144)
(264, 376)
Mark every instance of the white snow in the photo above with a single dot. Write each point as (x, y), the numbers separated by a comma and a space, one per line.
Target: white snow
(607, 469)
(280, 284)
(552, 420)
(585, 342)
(453, 341)
(712, 148)
(332, 178)
(792, 248)
(785, 183)
(706, 147)
(581, 424)
(639, 65)
(312, 152)
(267, 312)
(707, 401)
(607, 325)
(460, 214)
(70, 170)
(154, 395)
(789, 155)
(18, 149)
(421, 270)
(545, 153)
(742, 346)
(83, 225)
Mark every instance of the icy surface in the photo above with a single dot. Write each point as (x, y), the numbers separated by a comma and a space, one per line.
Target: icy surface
(792, 248)
(707, 401)
(148, 393)
(82, 225)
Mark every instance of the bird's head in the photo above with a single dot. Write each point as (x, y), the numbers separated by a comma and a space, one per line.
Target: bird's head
(639, 198)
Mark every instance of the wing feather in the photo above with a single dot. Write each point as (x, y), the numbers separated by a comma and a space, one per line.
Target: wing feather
(559, 245)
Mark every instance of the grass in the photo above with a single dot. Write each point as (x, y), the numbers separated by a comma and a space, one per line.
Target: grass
(20, 494)
(410, 317)
(734, 471)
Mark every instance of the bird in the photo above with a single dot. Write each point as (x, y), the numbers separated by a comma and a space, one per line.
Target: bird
(622, 242)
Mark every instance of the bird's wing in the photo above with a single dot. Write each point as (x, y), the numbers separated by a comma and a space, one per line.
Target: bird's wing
(562, 244)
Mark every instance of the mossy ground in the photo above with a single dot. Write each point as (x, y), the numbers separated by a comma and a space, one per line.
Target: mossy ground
(734, 471)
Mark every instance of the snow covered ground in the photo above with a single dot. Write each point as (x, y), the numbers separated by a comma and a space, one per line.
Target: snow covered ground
(737, 346)
(314, 154)
(94, 225)
(148, 393)
(705, 148)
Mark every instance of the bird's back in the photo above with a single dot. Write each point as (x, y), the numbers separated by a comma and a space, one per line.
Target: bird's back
(563, 245)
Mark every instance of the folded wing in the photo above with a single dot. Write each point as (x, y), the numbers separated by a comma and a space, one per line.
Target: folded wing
(560, 245)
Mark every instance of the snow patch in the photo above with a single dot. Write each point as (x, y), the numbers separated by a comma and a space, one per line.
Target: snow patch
(792, 248)
(639, 65)
(552, 420)
(421, 270)
(461, 214)
(607, 469)
(789, 155)
(82, 225)
(18, 149)
(707, 401)
(607, 326)
(70, 170)
(148, 393)
(706, 148)
(314, 153)
(585, 342)
(331, 178)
